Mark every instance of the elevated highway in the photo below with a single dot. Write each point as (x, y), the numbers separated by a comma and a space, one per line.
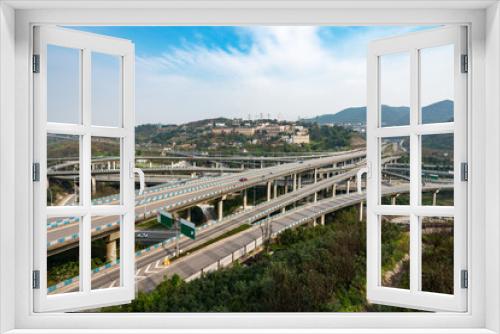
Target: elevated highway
(150, 270)
(63, 237)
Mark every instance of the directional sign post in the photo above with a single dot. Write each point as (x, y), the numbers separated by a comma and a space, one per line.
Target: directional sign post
(165, 219)
(188, 229)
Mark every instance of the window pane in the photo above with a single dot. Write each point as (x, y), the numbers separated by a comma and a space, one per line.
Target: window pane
(105, 180)
(395, 170)
(395, 89)
(436, 84)
(437, 169)
(105, 252)
(63, 255)
(63, 170)
(106, 90)
(63, 85)
(395, 260)
(437, 254)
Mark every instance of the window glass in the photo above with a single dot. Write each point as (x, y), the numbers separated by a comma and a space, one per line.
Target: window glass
(395, 89)
(63, 84)
(436, 84)
(106, 90)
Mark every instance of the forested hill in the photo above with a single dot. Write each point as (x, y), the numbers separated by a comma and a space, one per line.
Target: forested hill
(441, 111)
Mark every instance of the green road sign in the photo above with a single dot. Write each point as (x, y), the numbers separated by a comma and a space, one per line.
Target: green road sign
(165, 219)
(188, 229)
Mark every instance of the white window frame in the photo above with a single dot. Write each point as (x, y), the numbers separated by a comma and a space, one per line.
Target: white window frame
(411, 44)
(86, 43)
(483, 17)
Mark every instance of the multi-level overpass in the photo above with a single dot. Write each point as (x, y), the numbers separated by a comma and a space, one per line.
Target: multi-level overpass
(150, 270)
(65, 236)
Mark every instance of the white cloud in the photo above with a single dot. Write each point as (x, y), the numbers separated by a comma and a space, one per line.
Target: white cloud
(287, 71)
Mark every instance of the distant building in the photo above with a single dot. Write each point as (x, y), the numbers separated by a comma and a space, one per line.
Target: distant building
(239, 130)
(244, 131)
(220, 131)
(298, 139)
(274, 130)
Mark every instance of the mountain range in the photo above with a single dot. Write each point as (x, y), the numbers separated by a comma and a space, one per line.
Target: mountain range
(438, 112)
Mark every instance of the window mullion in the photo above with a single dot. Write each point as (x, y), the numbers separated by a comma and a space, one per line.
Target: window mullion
(414, 172)
(86, 156)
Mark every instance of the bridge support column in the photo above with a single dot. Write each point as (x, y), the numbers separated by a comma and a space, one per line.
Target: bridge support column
(348, 186)
(315, 197)
(393, 199)
(93, 182)
(245, 199)
(315, 175)
(286, 185)
(114, 164)
(242, 166)
(434, 197)
(150, 164)
(269, 190)
(299, 181)
(283, 210)
(294, 182)
(361, 211)
(109, 165)
(111, 247)
(261, 164)
(220, 209)
(188, 215)
(275, 189)
(334, 190)
(322, 220)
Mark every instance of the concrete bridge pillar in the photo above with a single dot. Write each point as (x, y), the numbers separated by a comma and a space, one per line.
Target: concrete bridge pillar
(315, 175)
(275, 189)
(393, 199)
(294, 182)
(109, 165)
(93, 182)
(111, 247)
(220, 209)
(114, 164)
(269, 183)
(242, 166)
(245, 199)
(334, 190)
(286, 185)
(434, 197)
(150, 164)
(361, 211)
(322, 220)
(299, 181)
(188, 215)
(348, 186)
(283, 210)
(315, 197)
(262, 164)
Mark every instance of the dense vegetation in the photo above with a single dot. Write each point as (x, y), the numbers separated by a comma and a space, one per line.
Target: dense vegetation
(307, 270)
(196, 136)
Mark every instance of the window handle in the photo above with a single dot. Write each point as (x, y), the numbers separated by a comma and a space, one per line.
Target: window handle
(141, 179)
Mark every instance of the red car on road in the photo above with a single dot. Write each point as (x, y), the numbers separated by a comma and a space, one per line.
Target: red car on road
(243, 179)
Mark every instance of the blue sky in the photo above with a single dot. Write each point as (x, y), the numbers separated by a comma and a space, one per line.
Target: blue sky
(189, 73)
